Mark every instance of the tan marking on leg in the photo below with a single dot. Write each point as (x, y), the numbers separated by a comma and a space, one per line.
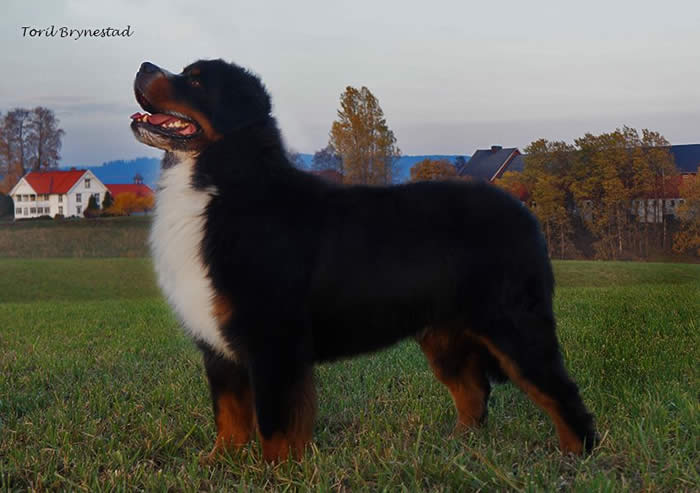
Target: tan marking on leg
(466, 389)
(234, 422)
(222, 309)
(300, 431)
(568, 441)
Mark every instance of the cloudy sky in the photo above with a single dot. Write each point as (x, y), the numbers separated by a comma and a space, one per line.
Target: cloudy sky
(450, 76)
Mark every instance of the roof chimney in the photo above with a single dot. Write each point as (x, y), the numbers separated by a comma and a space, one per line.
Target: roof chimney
(496, 148)
(72, 168)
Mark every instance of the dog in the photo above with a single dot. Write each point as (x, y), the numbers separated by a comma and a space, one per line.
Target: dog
(273, 270)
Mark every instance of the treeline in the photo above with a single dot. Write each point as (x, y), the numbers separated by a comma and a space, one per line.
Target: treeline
(30, 140)
(610, 196)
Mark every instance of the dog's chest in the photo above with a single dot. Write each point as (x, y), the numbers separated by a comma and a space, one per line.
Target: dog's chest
(176, 240)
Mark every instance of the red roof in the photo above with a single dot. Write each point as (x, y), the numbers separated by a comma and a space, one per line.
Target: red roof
(138, 189)
(53, 181)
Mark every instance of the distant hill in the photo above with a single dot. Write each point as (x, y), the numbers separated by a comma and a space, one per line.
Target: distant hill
(403, 167)
(122, 171)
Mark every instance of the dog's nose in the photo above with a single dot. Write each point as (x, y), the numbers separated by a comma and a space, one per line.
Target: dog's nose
(148, 68)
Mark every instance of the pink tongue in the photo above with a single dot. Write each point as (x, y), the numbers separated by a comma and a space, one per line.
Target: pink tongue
(160, 118)
(188, 130)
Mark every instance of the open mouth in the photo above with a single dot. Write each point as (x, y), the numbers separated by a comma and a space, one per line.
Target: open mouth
(168, 123)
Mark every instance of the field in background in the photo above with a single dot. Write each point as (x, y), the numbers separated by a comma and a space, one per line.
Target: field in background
(104, 237)
(100, 390)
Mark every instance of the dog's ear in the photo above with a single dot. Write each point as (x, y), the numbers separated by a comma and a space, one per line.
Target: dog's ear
(244, 100)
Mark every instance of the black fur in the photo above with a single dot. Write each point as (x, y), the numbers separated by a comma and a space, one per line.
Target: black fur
(316, 271)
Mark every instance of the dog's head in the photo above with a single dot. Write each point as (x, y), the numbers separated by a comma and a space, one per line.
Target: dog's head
(191, 110)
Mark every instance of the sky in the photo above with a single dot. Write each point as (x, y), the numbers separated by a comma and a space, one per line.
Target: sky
(451, 77)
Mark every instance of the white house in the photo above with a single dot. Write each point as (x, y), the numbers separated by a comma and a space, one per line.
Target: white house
(49, 193)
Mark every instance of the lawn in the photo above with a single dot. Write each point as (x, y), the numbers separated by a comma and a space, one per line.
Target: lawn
(99, 390)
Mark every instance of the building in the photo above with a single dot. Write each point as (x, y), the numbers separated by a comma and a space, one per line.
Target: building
(51, 193)
(490, 164)
(138, 189)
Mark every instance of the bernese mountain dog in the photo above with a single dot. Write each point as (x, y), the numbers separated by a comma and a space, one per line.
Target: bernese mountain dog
(273, 270)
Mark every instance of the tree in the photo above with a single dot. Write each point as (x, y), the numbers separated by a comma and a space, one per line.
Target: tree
(327, 158)
(44, 139)
(29, 141)
(363, 139)
(107, 201)
(93, 208)
(127, 203)
(688, 238)
(14, 146)
(432, 170)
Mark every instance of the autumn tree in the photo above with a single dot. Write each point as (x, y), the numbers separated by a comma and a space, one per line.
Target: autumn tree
(688, 238)
(363, 139)
(127, 203)
(432, 170)
(327, 158)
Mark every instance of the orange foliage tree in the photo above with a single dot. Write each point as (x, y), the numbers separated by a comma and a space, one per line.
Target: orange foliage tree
(126, 204)
(432, 170)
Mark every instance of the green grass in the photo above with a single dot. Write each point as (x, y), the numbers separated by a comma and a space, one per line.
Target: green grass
(99, 390)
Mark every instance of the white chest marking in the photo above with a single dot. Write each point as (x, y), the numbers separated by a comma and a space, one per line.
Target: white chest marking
(176, 238)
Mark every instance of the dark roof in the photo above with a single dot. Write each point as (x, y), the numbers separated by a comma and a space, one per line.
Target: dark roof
(485, 163)
(517, 163)
(687, 157)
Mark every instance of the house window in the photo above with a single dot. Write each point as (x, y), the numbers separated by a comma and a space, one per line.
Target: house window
(87, 182)
(60, 198)
(60, 209)
(78, 197)
(78, 209)
(18, 211)
(32, 210)
(46, 196)
(97, 197)
(32, 197)
(18, 198)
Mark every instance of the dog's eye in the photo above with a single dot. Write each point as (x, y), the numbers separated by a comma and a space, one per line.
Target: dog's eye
(195, 82)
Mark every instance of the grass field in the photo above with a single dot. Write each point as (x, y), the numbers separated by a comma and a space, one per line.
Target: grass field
(103, 237)
(99, 390)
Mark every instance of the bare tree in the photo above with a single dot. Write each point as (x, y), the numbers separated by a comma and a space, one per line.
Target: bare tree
(44, 139)
(15, 131)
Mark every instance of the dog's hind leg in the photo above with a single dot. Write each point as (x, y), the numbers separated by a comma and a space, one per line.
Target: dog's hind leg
(527, 350)
(232, 401)
(459, 363)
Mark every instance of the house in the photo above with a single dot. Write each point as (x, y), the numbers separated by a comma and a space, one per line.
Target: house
(687, 158)
(490, 164)
(137, 189)
(48, 193)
